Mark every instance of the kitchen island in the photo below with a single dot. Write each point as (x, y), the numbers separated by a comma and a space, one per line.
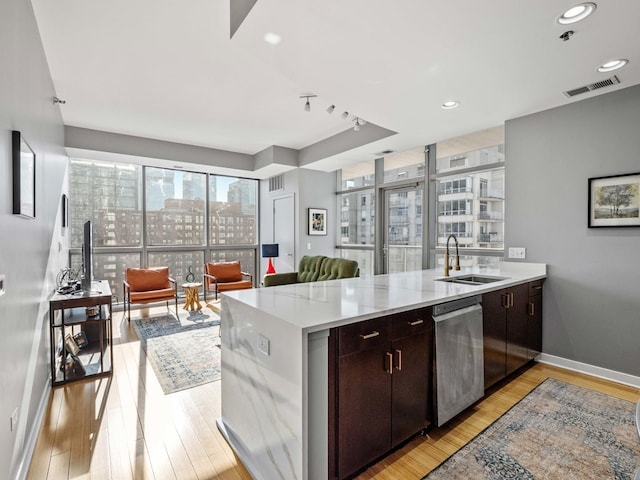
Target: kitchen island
(275, 351)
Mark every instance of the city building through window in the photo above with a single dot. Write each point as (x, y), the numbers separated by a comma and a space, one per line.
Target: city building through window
(183, 219)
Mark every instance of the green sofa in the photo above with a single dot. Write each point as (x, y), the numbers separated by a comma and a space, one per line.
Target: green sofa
(314, 269)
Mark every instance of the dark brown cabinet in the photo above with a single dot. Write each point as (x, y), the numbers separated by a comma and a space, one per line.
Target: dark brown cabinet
(380, 382)
(517, 327)
(494, 329)
(511, 335)
(411, 379)
(534, 311)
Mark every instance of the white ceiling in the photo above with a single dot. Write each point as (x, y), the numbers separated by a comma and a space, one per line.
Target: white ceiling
(167, 70)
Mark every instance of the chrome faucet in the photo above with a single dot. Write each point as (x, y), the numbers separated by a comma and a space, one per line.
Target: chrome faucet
(446, 256)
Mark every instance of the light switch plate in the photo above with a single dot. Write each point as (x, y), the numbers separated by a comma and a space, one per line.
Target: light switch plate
(517, 252)
(14, 419)
(264, 344)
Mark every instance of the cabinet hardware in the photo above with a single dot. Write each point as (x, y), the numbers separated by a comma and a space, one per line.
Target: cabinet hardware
(416, 322)
(375, 333)
(388, 360)
(399, 363)
(505, 300)
(539, 287)
(532, 309)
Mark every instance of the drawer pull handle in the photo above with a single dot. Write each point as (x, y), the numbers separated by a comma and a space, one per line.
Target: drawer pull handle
(539, 287)
(369, 335)
(416, 322)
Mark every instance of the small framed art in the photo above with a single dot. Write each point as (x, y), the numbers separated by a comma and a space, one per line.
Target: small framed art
(317, 221)
(65, 210)
(614, 201)
(24, 177)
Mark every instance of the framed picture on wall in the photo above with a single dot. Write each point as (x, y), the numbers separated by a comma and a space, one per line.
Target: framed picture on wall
(614, 201)
(24, 177)
(65, 210)
(317, 221)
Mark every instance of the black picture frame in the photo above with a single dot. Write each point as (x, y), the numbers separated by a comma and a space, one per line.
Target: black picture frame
(614, 201)
(317, 221)
(65, 210)
(24, 177)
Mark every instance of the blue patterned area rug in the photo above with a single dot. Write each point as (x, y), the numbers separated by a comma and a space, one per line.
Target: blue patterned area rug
(184, 352)
(558, 431)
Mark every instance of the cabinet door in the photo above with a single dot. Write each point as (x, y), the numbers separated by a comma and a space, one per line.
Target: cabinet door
(410, 386)
(535, 325)
(364, 413)
(517, 327)
(494, 329)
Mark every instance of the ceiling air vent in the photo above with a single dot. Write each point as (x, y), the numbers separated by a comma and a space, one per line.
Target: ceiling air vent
(593, 86)
(276, 183)
(384, 153)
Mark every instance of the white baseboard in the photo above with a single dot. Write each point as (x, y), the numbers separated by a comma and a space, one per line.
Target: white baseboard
(30, 444)
(592, 370)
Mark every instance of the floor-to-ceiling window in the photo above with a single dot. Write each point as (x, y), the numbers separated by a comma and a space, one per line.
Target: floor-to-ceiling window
(418, 199)
(149, 216)
(469, 195)
(357, 214)
(403, 204)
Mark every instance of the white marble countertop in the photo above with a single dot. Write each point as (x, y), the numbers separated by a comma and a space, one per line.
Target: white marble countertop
(316, 306)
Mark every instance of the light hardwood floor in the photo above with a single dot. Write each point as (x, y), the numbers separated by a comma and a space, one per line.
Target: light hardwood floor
(126, 428)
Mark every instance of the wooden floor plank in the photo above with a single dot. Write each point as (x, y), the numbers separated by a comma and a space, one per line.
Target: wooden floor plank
(125, 427)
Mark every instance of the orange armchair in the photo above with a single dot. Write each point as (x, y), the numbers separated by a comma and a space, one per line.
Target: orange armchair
(225, 276)
(148, 285)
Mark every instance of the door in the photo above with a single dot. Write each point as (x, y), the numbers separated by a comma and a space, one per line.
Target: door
(402, 250)
(283, 228)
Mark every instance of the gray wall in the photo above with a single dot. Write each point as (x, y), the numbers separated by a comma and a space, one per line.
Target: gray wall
(317, 190)
(592, 295)
(310, 189)
(32, 250)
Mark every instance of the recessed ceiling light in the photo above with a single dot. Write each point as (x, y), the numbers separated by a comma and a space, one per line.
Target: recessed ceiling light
(450, 105)
(613, 65)
(577, 13)
(272, 38)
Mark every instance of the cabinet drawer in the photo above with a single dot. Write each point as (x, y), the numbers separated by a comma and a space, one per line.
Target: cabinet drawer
(535, 287)
(411, 323)
(365, 335)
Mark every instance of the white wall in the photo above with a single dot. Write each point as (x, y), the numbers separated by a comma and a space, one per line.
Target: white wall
(592, 295)
(31, 250)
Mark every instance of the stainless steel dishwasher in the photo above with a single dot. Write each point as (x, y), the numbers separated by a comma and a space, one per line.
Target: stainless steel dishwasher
(459, 379)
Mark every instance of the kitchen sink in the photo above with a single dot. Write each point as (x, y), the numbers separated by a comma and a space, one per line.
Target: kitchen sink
(472, 279)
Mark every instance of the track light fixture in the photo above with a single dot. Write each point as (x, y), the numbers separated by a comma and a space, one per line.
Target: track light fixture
(307, 105)
(58, 100)
(357, 121)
